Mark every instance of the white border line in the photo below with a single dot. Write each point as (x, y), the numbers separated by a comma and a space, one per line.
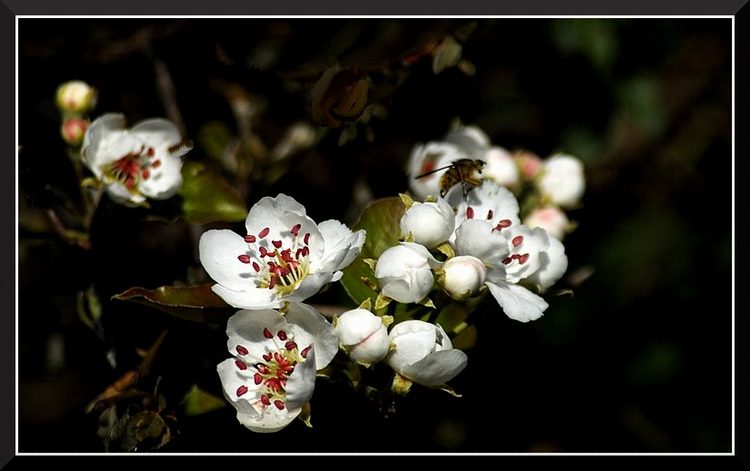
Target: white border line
(16, 197)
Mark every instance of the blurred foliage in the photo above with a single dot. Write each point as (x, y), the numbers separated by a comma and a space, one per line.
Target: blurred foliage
(638, 360)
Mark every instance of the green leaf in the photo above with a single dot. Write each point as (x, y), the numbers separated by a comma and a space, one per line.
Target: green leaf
(192, 303)
(453, 318)
(198, 401)
(381, 221)
(207, 196)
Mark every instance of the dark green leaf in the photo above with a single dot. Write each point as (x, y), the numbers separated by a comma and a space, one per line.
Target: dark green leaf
(207, 196)
(198, 401)
(193, 303)
(381, 221)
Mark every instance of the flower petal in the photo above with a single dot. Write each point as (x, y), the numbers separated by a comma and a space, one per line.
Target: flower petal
(218, 250)
(488, 199)
(517, 302)
(157, 132)
(310, 286)
(246, 328)
(321, 333)
(436, 368)
(271, 421)
(301, 384)
(165, 180)
(98, 135)
(120, 194)
(472, 140)
(341, 246)
(354, 326)
(554, 263)
(478, 239)
(251, 298)
(412, 341)
(428, 157)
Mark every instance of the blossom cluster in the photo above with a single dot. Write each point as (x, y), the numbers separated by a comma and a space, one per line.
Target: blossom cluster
(549, 186)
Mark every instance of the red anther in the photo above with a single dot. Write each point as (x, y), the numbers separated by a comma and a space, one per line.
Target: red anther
(145, 174)
(297, 253)
(156, 164)
(150, 152)
(263, 251)
(272, 282)
(296, 229)
(507, 260)
(522, 259)
(264, 232)
(504, 223)
(240, 364)
(305, 251)
(273, 384)
(267, 333)
(290, 345)
(490, 214)
(244, 258)
(517, 241)
(257, 378)
(241, 390)
(241, 350)
(279, 404)
(307, 238)
(286, 255)
(265, 400)
(250, 239)
(469, 213)
(306, 351)
(276, 243)
(130, 183)
(282, 335)
(263, 369)
(256, 267)
(268, 357)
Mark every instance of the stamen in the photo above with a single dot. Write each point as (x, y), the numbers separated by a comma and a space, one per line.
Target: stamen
(241, 390)
(240, 364)
(290, 345)
(296, 229)
(241, 350)
(490, 214)
(469, 213)
(264, 232)
(507, 260)
(276, 243)
(244, 258)
(263, 251)
(150, 152)
(522, 259)
(279, 404)
(250, 239)
(268, 357)
(256, 267)
(307, 238)
(504, 223)
(282, 335)
(272, 282)
(265, 400)
(517, 241)
(257, 378)
(306, 351)
(267, 333)
(263, 369)
(156, 164)
(146, 174)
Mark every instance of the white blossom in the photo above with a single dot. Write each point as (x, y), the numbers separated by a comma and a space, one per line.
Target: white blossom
(462, 277)
(562, 180)
(552, 219)
(275, 358)
(430, 224)
(423, 353)
(284, 256)
(500, 167)
(137, 163)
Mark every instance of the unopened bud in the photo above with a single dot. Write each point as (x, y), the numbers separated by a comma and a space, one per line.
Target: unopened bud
(75, 97)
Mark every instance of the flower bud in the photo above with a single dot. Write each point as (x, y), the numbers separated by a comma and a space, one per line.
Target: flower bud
(363, 336)
(430, 224)
(73, 130)
(551, 219)
(404, 272)
(562, 180)
(75, 97)
(528, 163)
(462, 277)
(500, 167)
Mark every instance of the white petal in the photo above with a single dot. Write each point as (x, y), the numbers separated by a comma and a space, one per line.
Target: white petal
(488, 199)
(554, 263)
(471, 139)
(373, 348)
(120, 194)
(354, 326)
(301, 384)
(100, 131)
(165, 180)
(246, 328)
(412, 340)
(500, 167)
(562, 180)
(436, 368)
(271, 421)
(251, 298)
(533, 242)
(341, 246)
(218, 250)
(157, 132)
(310, 286)
(321, 332)
(478, 239)
(517, 302)
(425, 158)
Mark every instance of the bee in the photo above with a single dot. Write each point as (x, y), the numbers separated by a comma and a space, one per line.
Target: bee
(464, 171)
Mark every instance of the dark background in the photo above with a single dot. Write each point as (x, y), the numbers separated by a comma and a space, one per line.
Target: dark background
(639, 360)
